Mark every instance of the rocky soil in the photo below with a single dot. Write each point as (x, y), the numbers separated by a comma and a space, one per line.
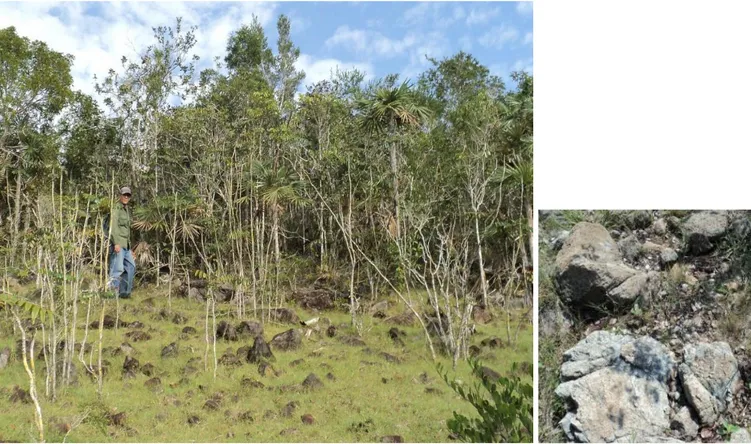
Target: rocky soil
(647, 314)
(293, 374)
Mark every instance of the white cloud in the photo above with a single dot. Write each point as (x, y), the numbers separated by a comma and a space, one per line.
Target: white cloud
(480, 16)
(370, 42)
(124, 29)
(417, 14)
(353, 38)
(499, 36)
(323, 69)
(528, 38)
(524, 8)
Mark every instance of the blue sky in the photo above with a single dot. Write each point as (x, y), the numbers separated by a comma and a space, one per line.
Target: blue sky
(376, 37)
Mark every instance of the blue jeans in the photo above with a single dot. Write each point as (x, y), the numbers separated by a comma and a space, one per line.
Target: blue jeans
(120, 263)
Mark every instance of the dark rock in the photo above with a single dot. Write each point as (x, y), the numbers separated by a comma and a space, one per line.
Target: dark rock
(390, 358)
(307, 419)
(189, 330)
(230, 360)
(630, 247)
(392, 438)
(212, 404)
(284, 315)
(138, 336)
(288, 340)
(242, 352)
(639, 220)
(404, 319)
(492, 342)
(20, 395)
(296, 362)
(396, 335)
(260, 351)
(265, 369)
(353, 341)
(490, 374)
(474, 351)
(433, 391)
(226, 331)
(131, 366)
(330, 376)
(148, 370)
(109, 323)
(249, 382)
(246, 416)
(178, 318)
(701, 230)
(149, 302)
(136, 324)
(118, 419)
(331, 331)
(289, 409)
(153, 384)
(189, 370)
(250, 329)
(170, 351)
(314, 299)
(481, 315)
(312, 382)
(193, 420)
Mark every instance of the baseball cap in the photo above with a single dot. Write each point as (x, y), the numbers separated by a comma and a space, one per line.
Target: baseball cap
(125, 190)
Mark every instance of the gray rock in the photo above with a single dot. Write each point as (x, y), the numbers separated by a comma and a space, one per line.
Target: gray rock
(4, 357)
(553, 320)
(630, 247)
(638, 285)
(684, 423)
(741, 435)
(700, 230)
(170, 351)
(288, 340)
(660, 227)
(589, 266)
(715, 368)
(614, 404)
(706, 406)
(598, 350)
(741, 228)
(616, 387)
(668, 256)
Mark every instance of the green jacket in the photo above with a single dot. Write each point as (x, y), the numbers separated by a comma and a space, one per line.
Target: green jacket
(120, 226)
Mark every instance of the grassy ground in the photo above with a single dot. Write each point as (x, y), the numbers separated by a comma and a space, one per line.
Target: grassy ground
(368, 399)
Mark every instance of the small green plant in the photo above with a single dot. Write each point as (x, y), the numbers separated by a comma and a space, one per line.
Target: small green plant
(505, 410)
(727, 429)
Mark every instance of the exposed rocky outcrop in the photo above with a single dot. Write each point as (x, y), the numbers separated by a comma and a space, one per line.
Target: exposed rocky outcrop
(590, 272)
(702, 229)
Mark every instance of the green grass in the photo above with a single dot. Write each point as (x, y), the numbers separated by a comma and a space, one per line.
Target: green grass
(400, 406)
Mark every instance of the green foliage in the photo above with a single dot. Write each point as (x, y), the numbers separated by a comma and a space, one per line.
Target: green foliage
(505, 410)
(27, 307)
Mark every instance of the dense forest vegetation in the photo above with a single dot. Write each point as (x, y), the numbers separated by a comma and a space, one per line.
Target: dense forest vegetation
(418, 188)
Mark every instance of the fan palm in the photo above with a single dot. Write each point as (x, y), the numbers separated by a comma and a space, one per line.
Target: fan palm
(387, 110)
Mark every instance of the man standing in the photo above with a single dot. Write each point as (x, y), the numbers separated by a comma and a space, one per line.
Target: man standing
(121, 259)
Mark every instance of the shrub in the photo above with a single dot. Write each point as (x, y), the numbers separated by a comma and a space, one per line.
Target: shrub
(504, 406)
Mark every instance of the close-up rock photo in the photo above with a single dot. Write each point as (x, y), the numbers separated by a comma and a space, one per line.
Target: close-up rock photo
(644, 326)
